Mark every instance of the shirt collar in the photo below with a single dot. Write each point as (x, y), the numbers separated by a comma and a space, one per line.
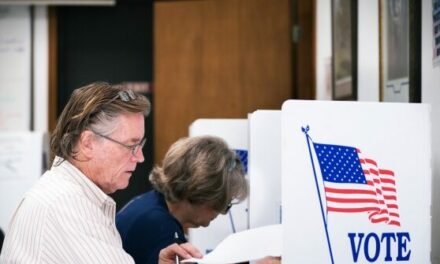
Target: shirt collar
(91, 190)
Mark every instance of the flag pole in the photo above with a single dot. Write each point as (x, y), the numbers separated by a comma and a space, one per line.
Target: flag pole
(305, 131)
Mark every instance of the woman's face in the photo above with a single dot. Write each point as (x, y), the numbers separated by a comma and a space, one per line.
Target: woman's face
(199, 215)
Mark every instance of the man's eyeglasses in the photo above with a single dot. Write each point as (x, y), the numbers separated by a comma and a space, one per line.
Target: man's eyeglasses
(133, 148)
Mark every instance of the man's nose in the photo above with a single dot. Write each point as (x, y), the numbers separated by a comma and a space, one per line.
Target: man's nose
(139, 156)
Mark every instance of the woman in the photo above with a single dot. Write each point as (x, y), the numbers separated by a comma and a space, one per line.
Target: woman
(199, 179)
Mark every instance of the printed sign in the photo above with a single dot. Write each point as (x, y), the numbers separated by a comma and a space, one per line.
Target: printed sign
(356, 182)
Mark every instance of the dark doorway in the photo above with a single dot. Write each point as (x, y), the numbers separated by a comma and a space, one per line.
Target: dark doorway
(112, 44)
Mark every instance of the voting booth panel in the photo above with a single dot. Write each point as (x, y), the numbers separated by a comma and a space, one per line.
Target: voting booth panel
(356, 182)
(21, 164)
(235, 133)
(264, 168)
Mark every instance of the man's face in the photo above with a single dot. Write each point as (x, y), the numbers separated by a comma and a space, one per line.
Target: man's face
(114, 163)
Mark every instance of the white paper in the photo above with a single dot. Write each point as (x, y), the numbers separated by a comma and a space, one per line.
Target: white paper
(247, 245)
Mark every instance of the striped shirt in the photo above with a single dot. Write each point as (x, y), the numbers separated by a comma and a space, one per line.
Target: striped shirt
(64, 218)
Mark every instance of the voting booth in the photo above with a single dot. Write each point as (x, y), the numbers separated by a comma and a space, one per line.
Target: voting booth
(235, 133)
(264, 168)
(356, 182)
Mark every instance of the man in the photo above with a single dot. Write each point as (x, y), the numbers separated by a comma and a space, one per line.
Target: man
(67, 216)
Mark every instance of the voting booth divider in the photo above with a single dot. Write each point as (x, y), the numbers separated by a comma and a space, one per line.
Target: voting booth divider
(264, 168)
(257, 141)
(356, 182)
(349, 181)
(235, 133)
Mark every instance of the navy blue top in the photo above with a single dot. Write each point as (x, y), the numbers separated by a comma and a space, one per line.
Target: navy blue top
(146, 226)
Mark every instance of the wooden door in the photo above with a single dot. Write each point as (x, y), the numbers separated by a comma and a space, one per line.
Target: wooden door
(304, 49)
(218, 59)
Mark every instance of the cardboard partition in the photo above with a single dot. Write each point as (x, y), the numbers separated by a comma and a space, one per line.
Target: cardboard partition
(235, 133)
(264, 168)
(356, 182)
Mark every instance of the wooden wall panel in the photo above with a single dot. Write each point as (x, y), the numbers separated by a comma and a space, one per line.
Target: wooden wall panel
(218, 59)
(304, 50)
(53, 72)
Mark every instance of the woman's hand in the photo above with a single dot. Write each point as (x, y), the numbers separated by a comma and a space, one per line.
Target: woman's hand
(184, 251)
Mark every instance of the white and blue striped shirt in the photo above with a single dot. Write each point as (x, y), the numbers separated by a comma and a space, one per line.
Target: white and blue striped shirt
(64, 218)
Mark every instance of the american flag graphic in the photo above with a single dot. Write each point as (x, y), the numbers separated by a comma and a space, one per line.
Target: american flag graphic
(243, 155)
(354, 184)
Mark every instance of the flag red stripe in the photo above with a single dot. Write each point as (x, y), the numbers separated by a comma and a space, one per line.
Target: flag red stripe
(375, 172)
(383, 219)
(351, 210)
(370, 161)
(394, 223)
(346, 200)
(386, 172)
(390, 197)
(389, 189)
(388, 181)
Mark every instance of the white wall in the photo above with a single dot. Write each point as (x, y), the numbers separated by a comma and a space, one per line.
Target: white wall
(323, 50)
(431, 95)
(368, 50)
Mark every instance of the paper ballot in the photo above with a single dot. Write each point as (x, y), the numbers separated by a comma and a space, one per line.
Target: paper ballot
(246, 246)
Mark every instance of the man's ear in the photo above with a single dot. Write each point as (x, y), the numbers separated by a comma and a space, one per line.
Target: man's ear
(86, 144)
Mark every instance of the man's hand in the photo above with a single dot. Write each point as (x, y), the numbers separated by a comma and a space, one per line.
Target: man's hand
(184, 251)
